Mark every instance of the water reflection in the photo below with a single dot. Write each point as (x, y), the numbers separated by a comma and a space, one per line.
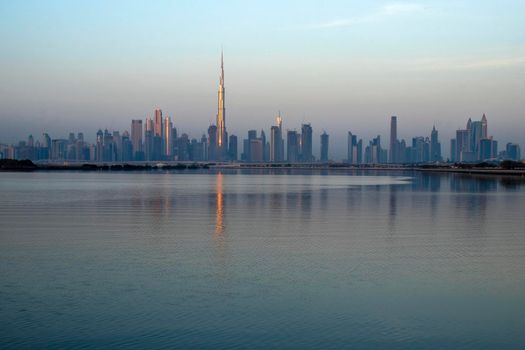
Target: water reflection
(246, 253)
(219, 207)
(392, 209)
(220, 247)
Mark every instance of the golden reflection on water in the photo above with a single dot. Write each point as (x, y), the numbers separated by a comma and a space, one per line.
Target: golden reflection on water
(219, 207)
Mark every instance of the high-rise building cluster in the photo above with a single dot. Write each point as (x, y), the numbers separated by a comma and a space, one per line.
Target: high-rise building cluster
(473, 144)
(423, 149)
(157, 139)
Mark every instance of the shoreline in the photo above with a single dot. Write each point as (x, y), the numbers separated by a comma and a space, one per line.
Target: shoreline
(28, 166)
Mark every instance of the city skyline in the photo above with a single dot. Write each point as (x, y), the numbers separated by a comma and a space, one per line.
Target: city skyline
(427, 65)
(160, 141)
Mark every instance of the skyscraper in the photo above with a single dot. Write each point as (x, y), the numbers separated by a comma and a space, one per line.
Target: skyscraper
(453, 150)
(484, 127)
(276, 141)
(232, 148)
(306, 143)
(324, 147)
(476, 134)
(252, 135)
(148, 139)
(435, 146)
(488, 149)
(136, 138)
(463, 145)
(393, 154)
(292, 149)
(264, 149)
(512, 151)
(354, 149)
(158, 123)
(222, 146)
(374, 153)
(168, 138)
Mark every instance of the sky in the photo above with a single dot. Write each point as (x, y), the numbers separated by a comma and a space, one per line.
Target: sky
(339, 65)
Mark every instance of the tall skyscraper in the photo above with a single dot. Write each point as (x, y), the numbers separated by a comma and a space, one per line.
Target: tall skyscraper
(393, 153)
(453, 151)
(276, 141)
(484, 127)
(350, 148)
(292, 147)
(252, 135)
(136, 138)
(264, 150)
(306, 143)
(158, 123)
(126, 147)
(463, 145)
(374, 153)
(168, 138)
(222, 146)
(274, 144)
(324, 147)
(476, 133)
(435, 146)
(148, 139)
(47, 141)
(354, 149)
(280, 125)
(232, 148)
(117, 145)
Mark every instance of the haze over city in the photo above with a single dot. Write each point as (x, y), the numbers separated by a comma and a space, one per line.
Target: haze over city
(297, 174)
(348, 66)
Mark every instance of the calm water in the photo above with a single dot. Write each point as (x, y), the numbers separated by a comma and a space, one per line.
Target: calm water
(261, 260)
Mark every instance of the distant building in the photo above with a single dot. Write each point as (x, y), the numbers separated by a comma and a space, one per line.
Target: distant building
(324, 147)
(513, 152)
(232, 148)
(184, 148)
(354, 149)
(265, 149)
(453, 150)
(306, 154)
(374, 153)
(420, 150)
(488, 149)
(276, 141)
(136, 139)
(221, 139)
(473, 143)
(435, 146)
(252, 135)
(292, 146)
(394, 149)
(256, 150)
(127, 147)
(157, 131)
(168, 139)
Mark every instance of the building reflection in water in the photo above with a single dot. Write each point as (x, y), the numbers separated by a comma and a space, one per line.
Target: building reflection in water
(392, 209)
(219, 208)
(220, 245)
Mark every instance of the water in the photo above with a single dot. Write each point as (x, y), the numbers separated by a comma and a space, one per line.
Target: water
(261, 259)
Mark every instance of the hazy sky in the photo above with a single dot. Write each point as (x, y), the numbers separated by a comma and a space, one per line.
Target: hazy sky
(341, 65)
